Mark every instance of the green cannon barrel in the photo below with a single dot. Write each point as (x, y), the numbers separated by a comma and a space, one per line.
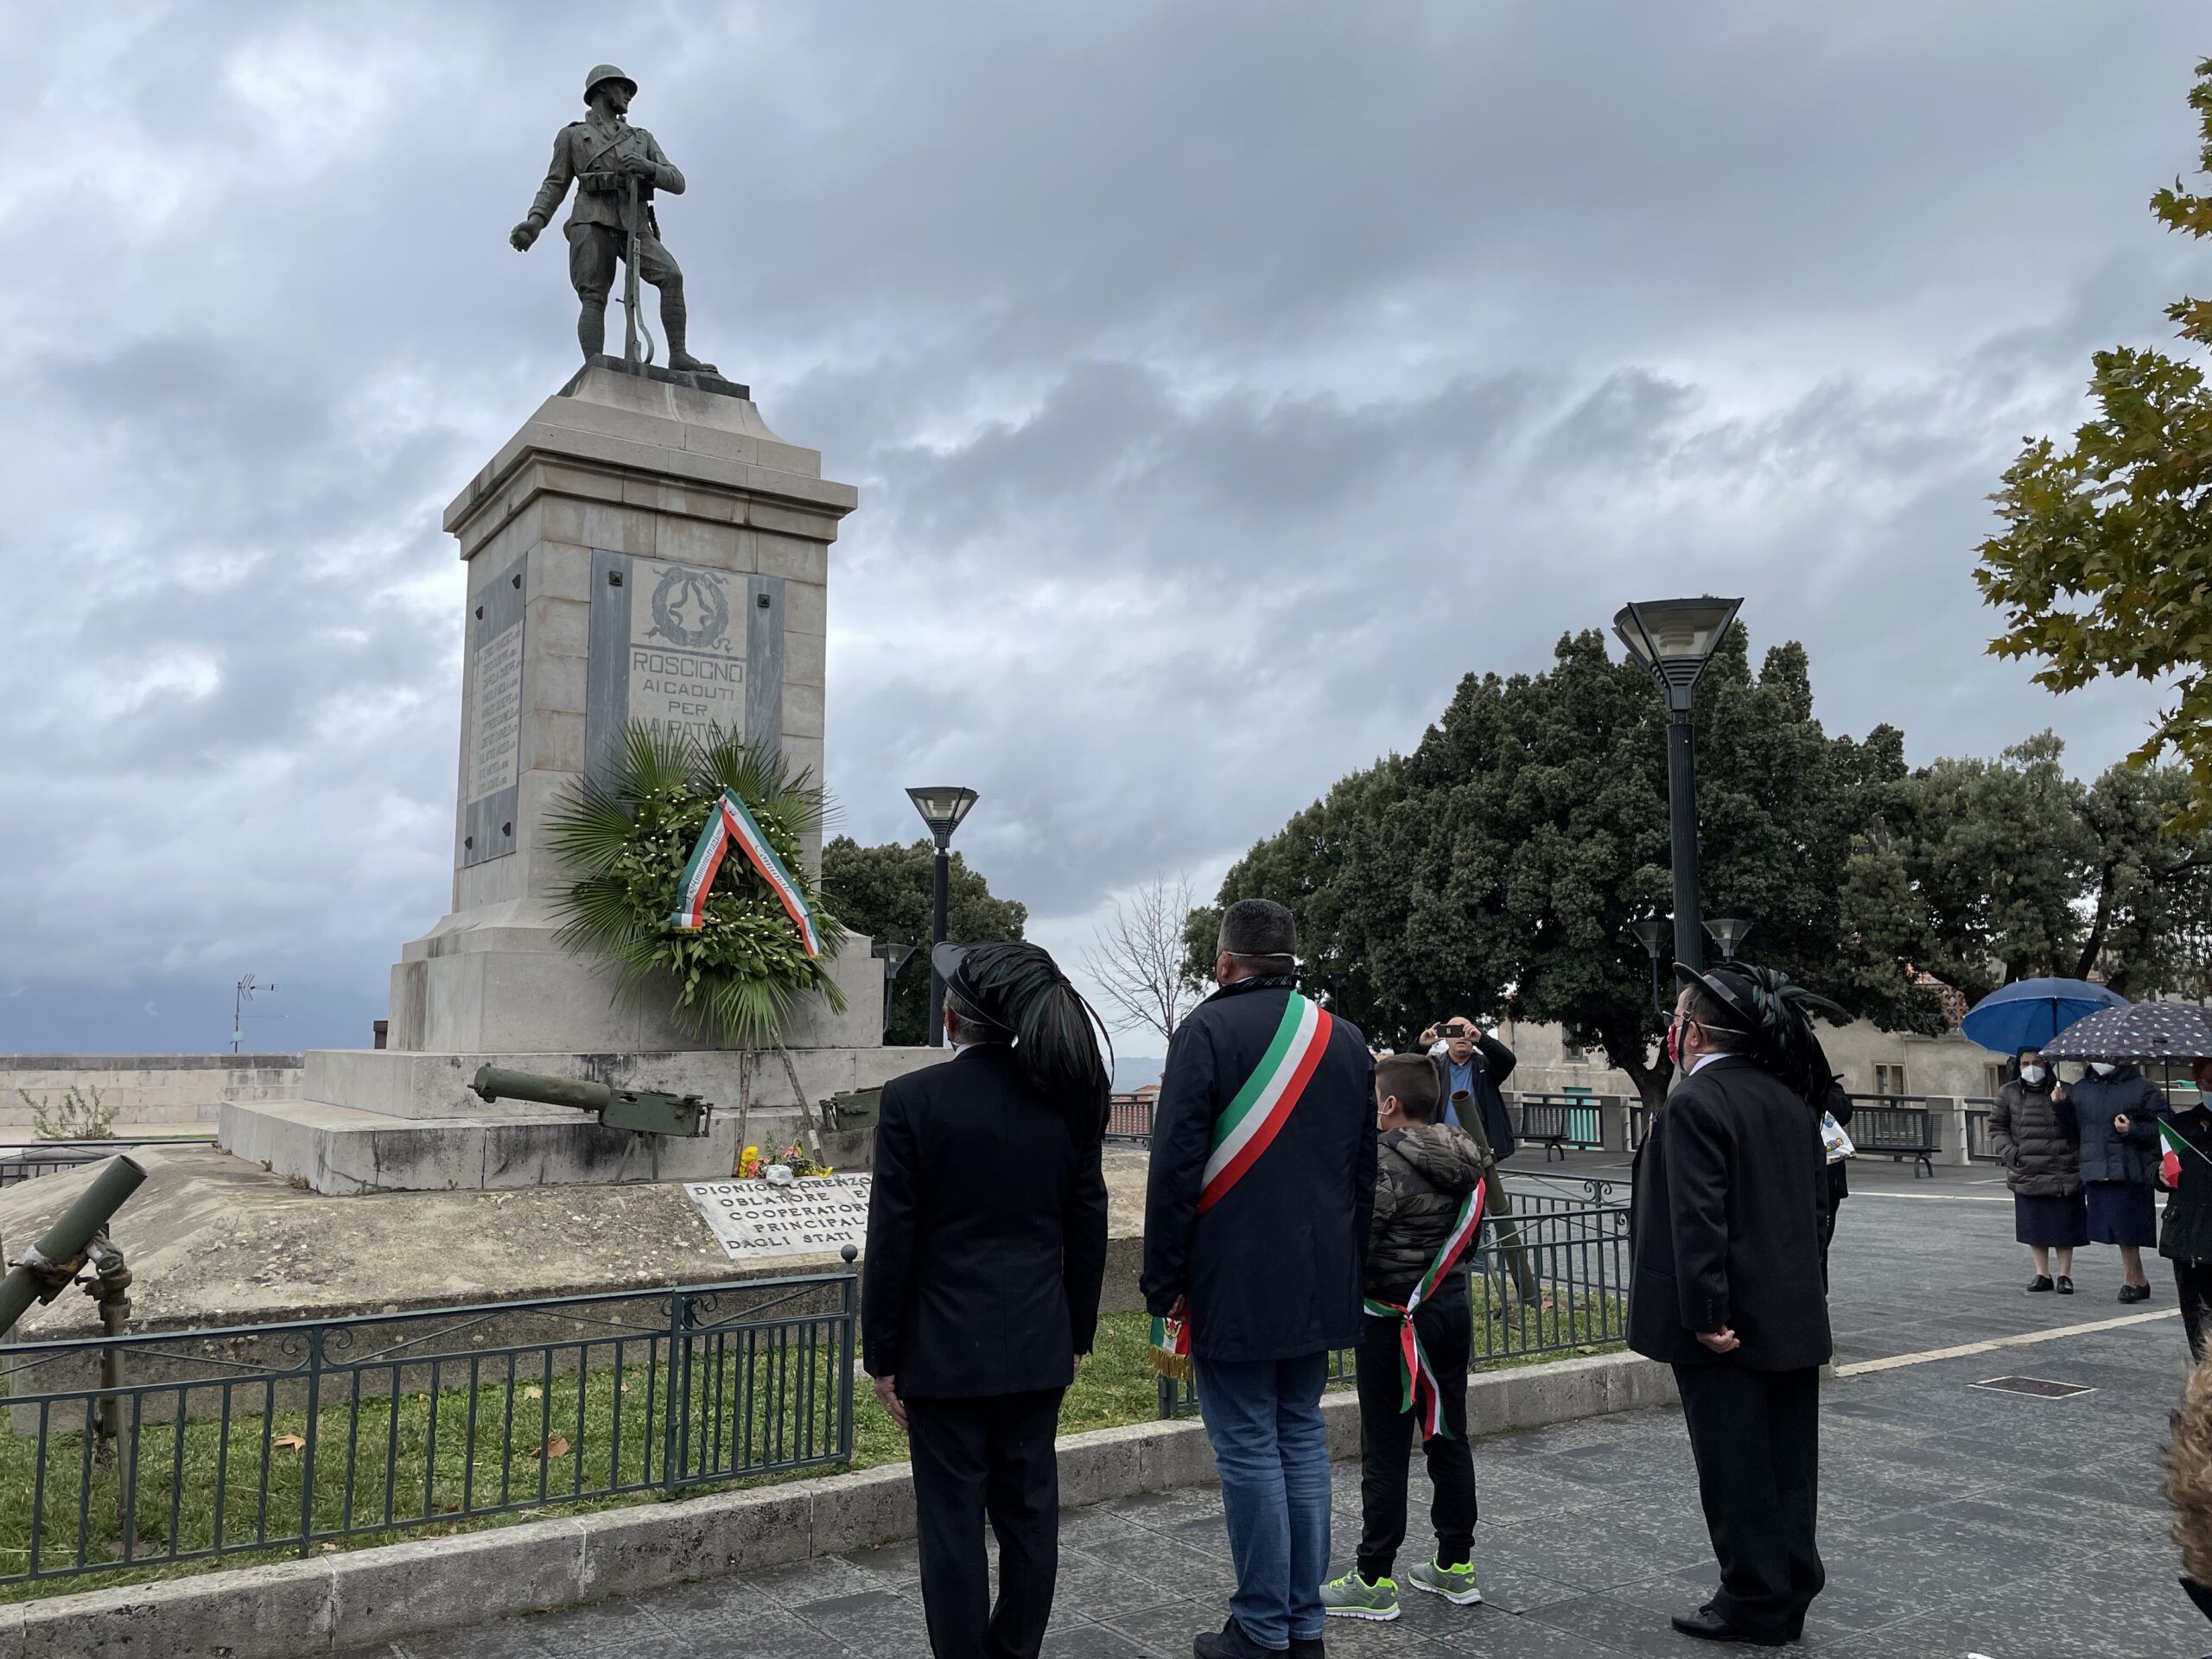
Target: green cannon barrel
(495, 1083)
(66, 1240)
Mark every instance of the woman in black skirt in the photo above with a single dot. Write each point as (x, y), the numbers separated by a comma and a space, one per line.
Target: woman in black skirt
(2040, 1150)
(2118, 1109)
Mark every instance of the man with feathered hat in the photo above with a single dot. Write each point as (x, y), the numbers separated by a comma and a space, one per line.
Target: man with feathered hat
(1731, 1186)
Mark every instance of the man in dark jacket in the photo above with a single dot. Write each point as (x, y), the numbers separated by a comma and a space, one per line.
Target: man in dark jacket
(1256, 1213)
(1730, 1190)
(1426, 1173)
(986, 1253)
(1471, 1061)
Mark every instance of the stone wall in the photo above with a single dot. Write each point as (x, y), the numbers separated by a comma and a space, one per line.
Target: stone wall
(1949, 1065)
(146, 1088)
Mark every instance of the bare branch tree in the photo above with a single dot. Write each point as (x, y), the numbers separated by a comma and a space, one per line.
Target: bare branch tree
(1137, 957)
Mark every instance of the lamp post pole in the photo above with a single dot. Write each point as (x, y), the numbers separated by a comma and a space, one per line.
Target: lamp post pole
(1681, 836)
(942, 807)
(940, 901)
(1674, 639)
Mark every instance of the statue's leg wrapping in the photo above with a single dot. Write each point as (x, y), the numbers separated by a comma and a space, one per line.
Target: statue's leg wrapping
(591, 327)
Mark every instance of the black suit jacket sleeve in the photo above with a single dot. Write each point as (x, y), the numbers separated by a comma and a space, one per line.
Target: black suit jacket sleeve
(1182, 1130)
(1697, 1201)
(1366, 1172)
(1496, 1056)
(887, 1285)
(1083, 1254)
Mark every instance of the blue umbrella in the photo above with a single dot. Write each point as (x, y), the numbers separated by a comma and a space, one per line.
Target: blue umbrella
(2029, 1012)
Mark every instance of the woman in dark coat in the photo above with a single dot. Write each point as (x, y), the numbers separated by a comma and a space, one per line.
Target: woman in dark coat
(2118, 1109)
(2186, 1239)
(2038, 1146)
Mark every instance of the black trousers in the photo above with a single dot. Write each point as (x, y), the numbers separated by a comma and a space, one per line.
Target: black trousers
(1386, 1438)
(2193, 1289)
(991, 1457)
(1756, 1438)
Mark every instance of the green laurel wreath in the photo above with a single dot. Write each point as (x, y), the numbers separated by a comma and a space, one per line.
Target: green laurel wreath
(736, 980)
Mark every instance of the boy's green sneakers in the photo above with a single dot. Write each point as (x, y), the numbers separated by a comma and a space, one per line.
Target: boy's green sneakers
(1455, 1584)
(1353, 1597)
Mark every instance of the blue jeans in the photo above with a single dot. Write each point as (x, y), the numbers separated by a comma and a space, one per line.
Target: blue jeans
(1264, 1418)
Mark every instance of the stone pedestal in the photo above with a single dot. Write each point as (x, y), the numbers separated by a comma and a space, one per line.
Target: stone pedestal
(643, 549)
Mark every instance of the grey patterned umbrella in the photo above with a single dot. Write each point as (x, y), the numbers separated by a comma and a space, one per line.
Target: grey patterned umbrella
(2143, 1031)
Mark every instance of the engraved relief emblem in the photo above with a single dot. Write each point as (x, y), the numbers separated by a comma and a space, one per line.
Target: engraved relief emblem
(691, 608)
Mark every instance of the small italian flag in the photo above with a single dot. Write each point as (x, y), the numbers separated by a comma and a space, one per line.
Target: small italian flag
(1170, 1352)
(2169, 1166)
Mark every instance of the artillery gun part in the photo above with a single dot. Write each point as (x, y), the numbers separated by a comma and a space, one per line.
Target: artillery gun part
(641, 1111)
(50, 1266)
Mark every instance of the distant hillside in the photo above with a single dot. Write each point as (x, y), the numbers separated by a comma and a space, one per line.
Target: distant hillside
(1134, 1072)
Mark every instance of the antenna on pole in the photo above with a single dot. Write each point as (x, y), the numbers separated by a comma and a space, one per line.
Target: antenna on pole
(244, 994)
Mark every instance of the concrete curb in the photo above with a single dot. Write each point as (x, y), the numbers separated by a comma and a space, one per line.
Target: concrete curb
(362, 1598)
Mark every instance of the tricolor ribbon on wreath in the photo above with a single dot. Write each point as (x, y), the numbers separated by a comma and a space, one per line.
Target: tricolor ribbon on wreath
(733, 820)
(1416, 1379)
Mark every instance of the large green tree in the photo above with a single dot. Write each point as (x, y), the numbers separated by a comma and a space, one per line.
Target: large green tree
(883, 891)
(1497, 867)
(2105, 563)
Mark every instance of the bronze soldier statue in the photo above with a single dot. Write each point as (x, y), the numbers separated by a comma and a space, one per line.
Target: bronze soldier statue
(604, 154)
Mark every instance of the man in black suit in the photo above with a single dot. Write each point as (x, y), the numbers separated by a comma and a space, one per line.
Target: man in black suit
(986, 1252)
(1731, 1189)
(1256, 1213)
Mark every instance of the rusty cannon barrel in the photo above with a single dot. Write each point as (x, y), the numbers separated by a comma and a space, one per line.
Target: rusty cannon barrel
(642, 1111)
(46, 1270)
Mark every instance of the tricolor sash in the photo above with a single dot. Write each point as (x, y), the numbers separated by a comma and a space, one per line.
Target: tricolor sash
(733, 820)
(1263, 1105)
(1170, 1352)
(1417, 1378)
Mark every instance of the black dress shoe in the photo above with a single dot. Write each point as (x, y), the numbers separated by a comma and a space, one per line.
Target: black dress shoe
(2135, 1292)
(1230, 1643)
(2065, 1286)
(2040, 1282)
(1708, 1626)
(1307, 1647)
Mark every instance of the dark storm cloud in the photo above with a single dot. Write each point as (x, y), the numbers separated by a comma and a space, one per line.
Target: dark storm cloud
(1221, 381)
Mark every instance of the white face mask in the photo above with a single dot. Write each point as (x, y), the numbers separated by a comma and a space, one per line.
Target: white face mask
(2032, 1074)
(2103, 1068)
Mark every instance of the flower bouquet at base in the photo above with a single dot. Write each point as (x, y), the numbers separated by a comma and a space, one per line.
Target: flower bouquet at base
(784, 1166)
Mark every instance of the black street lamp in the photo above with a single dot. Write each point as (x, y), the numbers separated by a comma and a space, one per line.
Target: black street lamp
(1728, 933)
(942, 808)
(1652, 932)
(893, 957)
(1674, 639)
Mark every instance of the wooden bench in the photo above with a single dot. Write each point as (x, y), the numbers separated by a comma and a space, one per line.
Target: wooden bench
(1893, 1126)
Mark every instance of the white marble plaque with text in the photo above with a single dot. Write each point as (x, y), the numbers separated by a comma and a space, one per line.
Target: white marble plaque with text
(816, 1213)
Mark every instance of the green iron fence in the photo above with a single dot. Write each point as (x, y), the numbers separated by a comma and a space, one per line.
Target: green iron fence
(1551, 1279)
(134, 1451)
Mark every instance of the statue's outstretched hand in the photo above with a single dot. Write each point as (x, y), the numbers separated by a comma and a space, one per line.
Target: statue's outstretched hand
(522, 235)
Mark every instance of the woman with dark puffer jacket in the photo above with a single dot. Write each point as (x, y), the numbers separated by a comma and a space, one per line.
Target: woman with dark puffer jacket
(2039, 1147)
(2118, 1109)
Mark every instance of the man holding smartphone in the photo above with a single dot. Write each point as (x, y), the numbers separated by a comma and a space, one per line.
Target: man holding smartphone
(1470, 1060)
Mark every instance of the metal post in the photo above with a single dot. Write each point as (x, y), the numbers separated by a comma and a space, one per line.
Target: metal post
(940, 899)
(1681, 828)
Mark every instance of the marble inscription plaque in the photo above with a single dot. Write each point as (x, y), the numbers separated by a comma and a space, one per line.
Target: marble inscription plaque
(753, 1219)
(495, 719)
(687, 649)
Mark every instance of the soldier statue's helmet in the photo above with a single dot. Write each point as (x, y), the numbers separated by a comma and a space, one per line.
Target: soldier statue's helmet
(607, 72)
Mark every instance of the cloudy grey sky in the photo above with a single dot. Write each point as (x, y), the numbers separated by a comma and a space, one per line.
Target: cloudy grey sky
(1222, 381)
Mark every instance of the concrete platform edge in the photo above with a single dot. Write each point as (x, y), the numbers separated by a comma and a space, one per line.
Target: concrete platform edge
(361, 1598)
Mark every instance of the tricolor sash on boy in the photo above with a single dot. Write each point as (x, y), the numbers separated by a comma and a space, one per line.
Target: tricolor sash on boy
(732, 820)
(1416, 1379)
(1260, 1109)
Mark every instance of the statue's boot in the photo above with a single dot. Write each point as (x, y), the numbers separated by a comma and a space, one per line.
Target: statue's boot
(674, 318)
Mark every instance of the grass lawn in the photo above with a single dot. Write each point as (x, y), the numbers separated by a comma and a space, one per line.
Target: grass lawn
(464, 1458)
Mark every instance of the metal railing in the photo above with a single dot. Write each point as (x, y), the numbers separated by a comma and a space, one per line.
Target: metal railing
(1128, 1121)
(280, 1438)
(1898, 1127)
(1560, 1121)
(1545, 1282)
(1979, 1149)
(28, 1159)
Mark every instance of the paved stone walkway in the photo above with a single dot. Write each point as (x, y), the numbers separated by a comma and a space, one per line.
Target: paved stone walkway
(1955, 1520)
